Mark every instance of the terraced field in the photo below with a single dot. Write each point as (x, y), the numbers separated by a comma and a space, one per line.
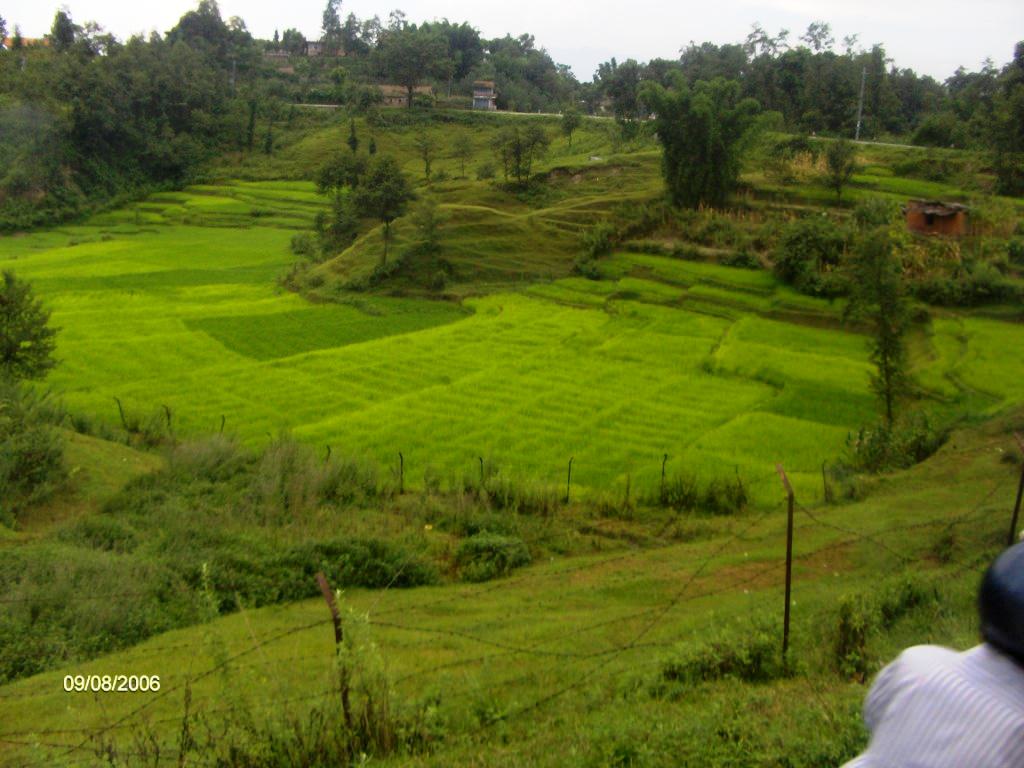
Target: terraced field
(723, 370)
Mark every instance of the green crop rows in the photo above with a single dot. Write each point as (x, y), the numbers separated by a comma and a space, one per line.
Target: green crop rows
(710, 365)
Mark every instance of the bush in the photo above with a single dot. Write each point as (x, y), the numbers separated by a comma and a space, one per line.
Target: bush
(519, 496)
(881, 448)
(809, 254)
(486, 171)
(214, 459)
(751, 656)
(1015, 251)
(302, 245)
(486, 556)
(856, 621)
(598, 240)
(742, 258)
(31, 450)
(719, 497)
(290, 480)
(863, 614)
(101, 532)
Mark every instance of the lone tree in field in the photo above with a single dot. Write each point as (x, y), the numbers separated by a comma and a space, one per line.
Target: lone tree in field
(878, 294)
(383, 193)
(353, 140)
(571, 121)
(462, 150)
(704, 132)
(26, 338)
(517, 148)
(840, 163)
(426, 147)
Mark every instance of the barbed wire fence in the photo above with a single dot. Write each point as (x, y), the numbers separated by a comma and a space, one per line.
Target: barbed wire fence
(579, 667)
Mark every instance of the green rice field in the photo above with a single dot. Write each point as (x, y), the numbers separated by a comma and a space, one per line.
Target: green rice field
(724, 370)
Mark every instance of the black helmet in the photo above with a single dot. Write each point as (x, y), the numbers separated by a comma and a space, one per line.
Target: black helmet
(1001, 603)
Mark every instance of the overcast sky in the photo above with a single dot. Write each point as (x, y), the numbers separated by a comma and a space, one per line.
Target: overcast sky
(933, 37)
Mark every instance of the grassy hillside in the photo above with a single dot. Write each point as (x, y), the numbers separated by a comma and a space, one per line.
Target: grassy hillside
(418, 432)
(626, 658)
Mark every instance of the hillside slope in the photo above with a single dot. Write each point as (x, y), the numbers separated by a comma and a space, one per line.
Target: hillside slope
(585, 661)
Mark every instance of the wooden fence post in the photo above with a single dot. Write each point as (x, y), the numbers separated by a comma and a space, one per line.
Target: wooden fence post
(332, 605)
(789, 558)
(1020, 492)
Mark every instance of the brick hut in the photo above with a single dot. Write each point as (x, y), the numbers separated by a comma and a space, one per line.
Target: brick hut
(931, 217)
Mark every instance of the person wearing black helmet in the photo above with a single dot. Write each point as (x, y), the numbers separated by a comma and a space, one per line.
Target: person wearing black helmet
(936, 708)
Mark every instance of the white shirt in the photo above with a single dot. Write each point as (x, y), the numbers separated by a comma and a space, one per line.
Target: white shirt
(935, 708)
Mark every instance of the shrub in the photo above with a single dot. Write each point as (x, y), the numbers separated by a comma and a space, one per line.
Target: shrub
(486, 556)
(875, 212)
(214, 459)
(598, 240)
(486, 171)
(911, 440)
(1015, 251)
(302, 245)
(101, 532)
(863, 614)
(857, 620)
(31, 450)
(290, 480)
(809, 254)
(742, 258)
(519, 496)
(751, 655)
(719, 497)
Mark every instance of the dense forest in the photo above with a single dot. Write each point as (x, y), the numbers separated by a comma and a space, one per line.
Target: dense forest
(86, 118)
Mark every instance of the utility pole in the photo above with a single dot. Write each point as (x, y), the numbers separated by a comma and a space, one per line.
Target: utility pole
(860, 104)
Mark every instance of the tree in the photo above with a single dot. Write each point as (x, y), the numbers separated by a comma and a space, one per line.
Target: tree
(571, 120)
(26, 338)
(343, 171)
(809, 255)
(704, 132)
(622, 84)
(331, 27)
(840, 163)
(818, 36)
(383, 194)
(372, 147)
(1007, 126)
(353, 140)
(426, 146)
(518, 147)
(462, 150)
(409, 55)
(63, 32)
(428, 222)
(352, 36)
(3, 29)
(293, 41)
(878, 293)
